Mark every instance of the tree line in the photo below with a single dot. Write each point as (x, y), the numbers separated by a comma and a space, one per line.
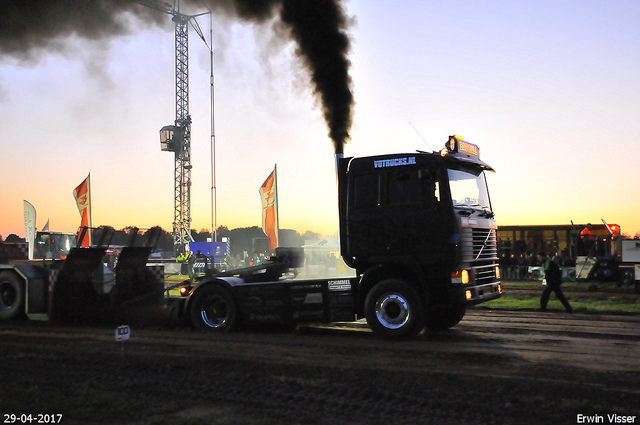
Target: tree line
(241, 239)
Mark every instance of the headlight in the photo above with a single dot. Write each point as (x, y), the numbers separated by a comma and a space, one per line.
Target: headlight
(460, 277)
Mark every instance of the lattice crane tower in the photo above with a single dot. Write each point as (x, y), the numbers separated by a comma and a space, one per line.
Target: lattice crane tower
(177, 138)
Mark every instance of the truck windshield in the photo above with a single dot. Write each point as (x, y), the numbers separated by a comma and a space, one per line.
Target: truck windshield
(468, 189)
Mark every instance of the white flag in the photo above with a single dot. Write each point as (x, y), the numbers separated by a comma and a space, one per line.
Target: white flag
(29, 226)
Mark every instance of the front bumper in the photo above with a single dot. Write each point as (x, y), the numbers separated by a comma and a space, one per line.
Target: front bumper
(470, 295)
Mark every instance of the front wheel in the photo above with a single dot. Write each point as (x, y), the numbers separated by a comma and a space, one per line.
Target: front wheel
(393, 310)
(213, 309)
(11, 296)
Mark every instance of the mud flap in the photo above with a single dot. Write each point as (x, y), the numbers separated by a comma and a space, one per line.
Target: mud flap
(138, 290)
(73, 296)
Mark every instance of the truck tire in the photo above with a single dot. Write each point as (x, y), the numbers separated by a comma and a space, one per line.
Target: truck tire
(11, 296)
(393, 310)
(213, 309)
(440, 318)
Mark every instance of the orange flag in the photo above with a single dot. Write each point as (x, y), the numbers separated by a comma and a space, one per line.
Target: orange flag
(82, 195)
(269, 196)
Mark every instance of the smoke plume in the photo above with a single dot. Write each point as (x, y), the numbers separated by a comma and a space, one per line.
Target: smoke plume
(29, 28)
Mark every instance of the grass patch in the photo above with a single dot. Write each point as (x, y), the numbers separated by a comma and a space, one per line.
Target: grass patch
(177, 277)
(606, 303)
(514, 302)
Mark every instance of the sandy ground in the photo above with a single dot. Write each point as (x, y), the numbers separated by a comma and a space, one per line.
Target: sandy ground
(495, 367)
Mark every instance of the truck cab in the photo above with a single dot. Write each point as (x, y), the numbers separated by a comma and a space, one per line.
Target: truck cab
(423, 218)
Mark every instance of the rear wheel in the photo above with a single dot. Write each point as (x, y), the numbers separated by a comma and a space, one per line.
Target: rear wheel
(440, 318)
(393, 310)
(214, 309)
(11, 296)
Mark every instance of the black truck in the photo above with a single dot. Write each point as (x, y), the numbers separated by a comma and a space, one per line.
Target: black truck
(417, 228)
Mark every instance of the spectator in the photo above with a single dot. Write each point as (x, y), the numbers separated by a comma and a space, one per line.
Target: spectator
(553, 277)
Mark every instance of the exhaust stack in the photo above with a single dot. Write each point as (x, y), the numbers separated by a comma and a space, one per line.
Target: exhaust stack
(341, 184)
(339, 156)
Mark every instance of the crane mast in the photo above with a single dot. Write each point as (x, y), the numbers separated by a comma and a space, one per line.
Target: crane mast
(177, 138)
(182, 170)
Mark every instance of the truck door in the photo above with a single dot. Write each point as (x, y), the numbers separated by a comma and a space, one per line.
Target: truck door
(398, 211)
(413, 216)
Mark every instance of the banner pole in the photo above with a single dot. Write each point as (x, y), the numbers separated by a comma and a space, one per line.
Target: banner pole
(275, 182)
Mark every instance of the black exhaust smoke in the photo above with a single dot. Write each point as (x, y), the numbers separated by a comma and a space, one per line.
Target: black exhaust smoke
(31, 28)
(319, 27)
(28, 28)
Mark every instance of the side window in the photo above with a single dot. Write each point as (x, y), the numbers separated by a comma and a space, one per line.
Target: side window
(365, 191)
(429, 187)
(407, 187)
(403, 187)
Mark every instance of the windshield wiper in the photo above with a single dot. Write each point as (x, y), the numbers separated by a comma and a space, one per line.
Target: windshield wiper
(466, 212)
(488, 214)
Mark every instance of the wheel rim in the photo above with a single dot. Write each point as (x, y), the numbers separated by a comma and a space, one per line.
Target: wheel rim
(8, 295)
(392, 311)
(214, 311)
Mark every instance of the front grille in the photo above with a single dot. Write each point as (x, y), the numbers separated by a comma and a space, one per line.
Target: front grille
(485, 274)
(479, 244)
(483, 245)
(479, 250)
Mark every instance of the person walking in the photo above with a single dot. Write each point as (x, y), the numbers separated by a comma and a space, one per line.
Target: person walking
(553, 276)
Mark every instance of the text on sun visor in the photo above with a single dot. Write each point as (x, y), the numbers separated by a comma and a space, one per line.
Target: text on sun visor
(394, 162)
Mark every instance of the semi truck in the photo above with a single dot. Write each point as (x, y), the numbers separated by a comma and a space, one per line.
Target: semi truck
(417, 228)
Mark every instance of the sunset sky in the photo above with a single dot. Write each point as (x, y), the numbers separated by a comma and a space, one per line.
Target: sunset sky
(549, 90)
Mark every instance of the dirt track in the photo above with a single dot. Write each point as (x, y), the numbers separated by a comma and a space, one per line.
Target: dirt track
(495, 367)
